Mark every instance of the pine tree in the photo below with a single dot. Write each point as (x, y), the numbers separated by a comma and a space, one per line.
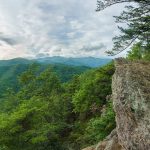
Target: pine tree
(137, 19)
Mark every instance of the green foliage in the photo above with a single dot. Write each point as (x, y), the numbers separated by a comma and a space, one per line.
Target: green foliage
(139, 51)
(8, 77)
(135, 53)
(9, 73)
(93, 89)
(98, 128)
(47, 114)
(137, 20)
(28, 125)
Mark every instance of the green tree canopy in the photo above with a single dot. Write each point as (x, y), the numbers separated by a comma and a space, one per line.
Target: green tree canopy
(137, 19)
(46, 114)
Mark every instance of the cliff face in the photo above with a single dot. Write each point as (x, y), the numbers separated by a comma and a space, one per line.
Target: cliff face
(131, 101)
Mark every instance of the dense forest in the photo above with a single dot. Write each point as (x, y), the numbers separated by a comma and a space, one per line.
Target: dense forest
(9, 72)
(48, 111)
(63, 107)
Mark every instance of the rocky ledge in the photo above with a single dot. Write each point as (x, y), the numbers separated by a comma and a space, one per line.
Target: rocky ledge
(131, 101)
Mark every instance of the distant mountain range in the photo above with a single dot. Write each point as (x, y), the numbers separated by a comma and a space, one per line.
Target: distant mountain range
(10, 70)
(82, 61)
(65, 68)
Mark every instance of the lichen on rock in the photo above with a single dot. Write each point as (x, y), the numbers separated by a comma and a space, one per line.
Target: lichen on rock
(131, 102)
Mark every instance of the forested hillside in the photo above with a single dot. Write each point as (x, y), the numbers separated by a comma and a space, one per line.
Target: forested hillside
(57, 107)
(62, 98)
(65, 68)
(79, 61)
(9, 72)
(47, 114)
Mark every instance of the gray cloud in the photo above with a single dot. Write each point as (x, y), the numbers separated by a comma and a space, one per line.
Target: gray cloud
(8, 40)
(54, 27)
(42, 55)
(94, 47)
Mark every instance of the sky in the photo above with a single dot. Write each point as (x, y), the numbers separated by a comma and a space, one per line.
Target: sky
(69, 28)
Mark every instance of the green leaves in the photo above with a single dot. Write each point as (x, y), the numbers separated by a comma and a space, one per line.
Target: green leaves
(139, 51)
(94, 87)
(46, 114)
(98, 128)
(137, 21)
(37, 117)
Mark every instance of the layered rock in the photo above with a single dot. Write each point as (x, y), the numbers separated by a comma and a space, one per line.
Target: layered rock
(131, 101)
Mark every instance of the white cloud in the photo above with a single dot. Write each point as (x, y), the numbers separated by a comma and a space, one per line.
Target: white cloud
(55, 27)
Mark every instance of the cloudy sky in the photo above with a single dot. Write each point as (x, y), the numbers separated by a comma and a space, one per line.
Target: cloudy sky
(71, 28)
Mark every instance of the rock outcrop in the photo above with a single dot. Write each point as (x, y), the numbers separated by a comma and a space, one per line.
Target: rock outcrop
(131, 101)
(110, 143)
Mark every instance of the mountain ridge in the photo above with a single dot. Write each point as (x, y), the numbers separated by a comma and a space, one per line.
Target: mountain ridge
(80, 61)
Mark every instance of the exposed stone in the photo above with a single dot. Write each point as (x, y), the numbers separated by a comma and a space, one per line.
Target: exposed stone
(131, 101)
(110, 143)
(89, 148)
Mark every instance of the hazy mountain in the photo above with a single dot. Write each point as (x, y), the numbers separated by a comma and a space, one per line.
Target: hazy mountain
(15, 61)
(11, 70)
(65, 68)
(82, 61)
